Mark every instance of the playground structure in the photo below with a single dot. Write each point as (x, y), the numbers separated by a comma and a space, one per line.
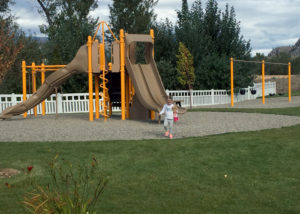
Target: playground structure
(137, 87)
(262, 75)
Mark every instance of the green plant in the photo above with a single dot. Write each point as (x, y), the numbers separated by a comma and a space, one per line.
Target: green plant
(185, 69)
(72, 189)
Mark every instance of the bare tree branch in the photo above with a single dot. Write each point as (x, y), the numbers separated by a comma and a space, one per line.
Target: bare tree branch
(46, 11)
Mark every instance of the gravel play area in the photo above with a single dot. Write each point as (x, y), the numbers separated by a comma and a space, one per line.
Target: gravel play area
(76, 127)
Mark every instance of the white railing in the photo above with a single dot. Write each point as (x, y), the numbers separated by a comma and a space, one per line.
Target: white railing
(213, 97)
(79, 102)
(66, 103)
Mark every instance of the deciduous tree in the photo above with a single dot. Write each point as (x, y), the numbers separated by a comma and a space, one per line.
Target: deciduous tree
(68, 26)
(185, 69)
(10, 44)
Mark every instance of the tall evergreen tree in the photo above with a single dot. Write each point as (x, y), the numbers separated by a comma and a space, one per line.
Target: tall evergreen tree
(213, 37)
(135, 16)
(165, 48)
(183, 27)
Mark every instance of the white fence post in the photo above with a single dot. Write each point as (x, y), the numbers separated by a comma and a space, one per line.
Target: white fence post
(59, 103)
(212, 96)
(13, 99)
(192, 97)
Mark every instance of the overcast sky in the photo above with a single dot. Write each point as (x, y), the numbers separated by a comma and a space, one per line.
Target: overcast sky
(267, 23)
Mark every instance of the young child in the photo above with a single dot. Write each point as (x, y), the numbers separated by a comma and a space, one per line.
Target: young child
(168, 122)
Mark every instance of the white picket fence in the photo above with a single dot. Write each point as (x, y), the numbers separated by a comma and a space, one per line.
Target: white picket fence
(79, 102)
(214, 97)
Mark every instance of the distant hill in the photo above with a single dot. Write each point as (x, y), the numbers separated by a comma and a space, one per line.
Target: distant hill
(40, 39)
(294, 50)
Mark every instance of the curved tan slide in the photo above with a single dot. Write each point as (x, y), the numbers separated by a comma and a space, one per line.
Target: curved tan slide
(149, 90)
(148, 86)
(78, 65)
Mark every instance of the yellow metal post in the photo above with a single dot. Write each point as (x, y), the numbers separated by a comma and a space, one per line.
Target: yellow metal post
(24, 83)
(152, 113)
(43, 80)
(34, 85)
(263, 80)
(152, 36)
(122, 70)
(290, 85)
(97, 96)
(231, 82)
(90, 76)
(97, 90)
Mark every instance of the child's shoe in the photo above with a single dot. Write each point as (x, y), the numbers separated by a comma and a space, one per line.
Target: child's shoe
(171, 136)
(167, 134)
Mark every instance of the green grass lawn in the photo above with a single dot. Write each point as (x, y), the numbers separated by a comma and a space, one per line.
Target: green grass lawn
(282, 111)
(176, 176)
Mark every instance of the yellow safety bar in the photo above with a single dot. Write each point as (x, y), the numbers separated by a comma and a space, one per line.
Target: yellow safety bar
(34, 69)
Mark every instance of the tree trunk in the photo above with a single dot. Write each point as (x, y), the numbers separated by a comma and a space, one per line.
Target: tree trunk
(190, 89)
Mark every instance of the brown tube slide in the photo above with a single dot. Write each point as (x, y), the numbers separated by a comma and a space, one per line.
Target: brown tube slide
(78, 65)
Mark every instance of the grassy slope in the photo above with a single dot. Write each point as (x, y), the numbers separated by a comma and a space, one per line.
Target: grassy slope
(178, 176)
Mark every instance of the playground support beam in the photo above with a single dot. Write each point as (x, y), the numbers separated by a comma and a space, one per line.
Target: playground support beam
(152, 113)
(231, 82)
(24, 83)
(34, 85)
(290, 86)
(42, 81)
(97, 84)
(263, 80)
(90, 76)
(122, 71)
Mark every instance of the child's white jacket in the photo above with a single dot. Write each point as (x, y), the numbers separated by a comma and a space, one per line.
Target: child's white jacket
(167, 109)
